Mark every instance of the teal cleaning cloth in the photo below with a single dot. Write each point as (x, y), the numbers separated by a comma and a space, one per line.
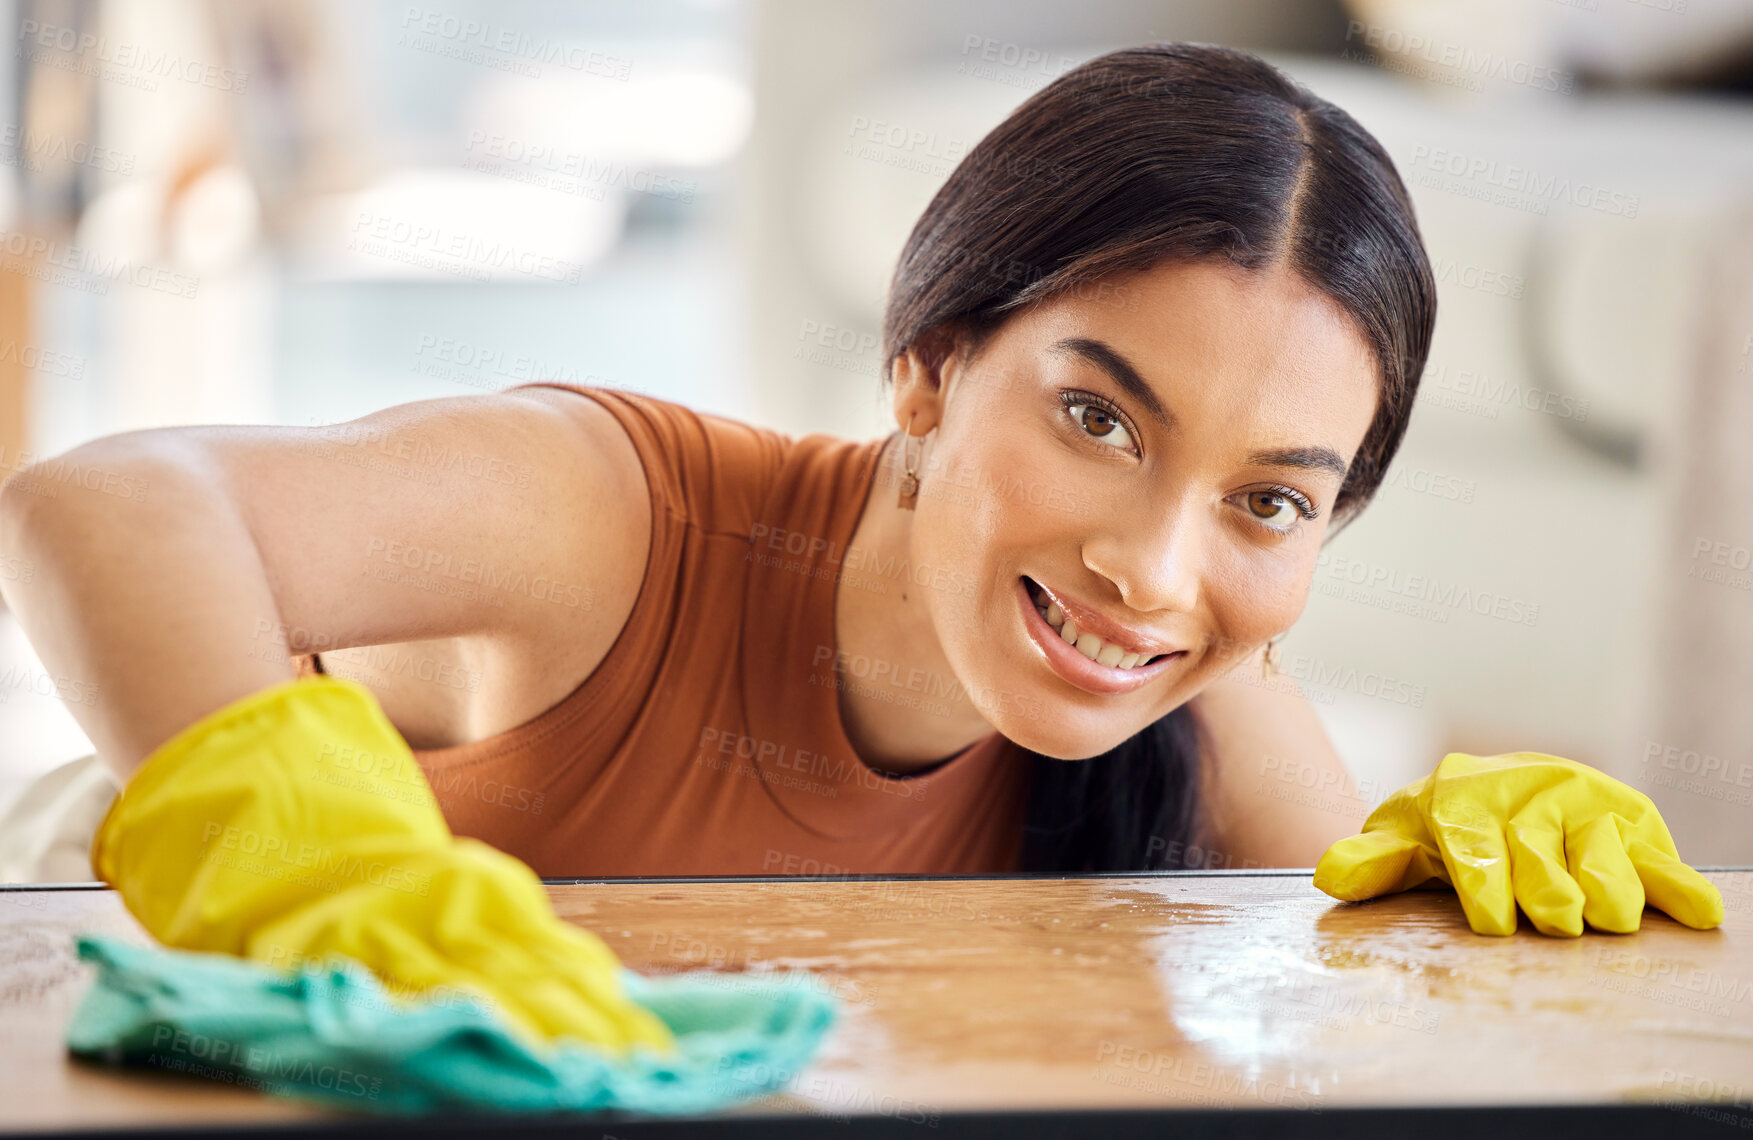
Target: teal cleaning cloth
(334, 1035)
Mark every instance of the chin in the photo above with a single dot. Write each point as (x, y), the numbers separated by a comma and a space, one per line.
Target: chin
(1030, 734)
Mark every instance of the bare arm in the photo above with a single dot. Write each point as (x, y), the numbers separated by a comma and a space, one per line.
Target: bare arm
(152, 561)
(1278, 794)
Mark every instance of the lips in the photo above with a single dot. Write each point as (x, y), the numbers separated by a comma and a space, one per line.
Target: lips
(1109, 642)
(1074, 665)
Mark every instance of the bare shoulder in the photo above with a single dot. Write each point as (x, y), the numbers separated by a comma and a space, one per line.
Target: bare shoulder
(1277, 792)
(563, 574)
(599, 500)
(599, 435)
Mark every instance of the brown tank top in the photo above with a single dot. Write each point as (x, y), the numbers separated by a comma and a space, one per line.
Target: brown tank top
(709, 740)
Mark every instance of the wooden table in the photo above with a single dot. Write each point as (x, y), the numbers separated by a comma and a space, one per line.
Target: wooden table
(1129, 996)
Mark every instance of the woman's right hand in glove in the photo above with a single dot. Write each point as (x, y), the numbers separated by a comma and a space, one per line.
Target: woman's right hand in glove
(294, 823)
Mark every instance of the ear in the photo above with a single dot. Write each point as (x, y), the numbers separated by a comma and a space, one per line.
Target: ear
(921, 373)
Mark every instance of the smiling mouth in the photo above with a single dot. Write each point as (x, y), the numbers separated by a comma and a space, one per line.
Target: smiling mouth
(1084, 641)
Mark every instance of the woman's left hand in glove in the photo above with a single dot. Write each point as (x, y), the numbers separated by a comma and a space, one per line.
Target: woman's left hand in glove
(1565, 842)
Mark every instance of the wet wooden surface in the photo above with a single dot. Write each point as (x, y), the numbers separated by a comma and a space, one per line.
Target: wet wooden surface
(1158, 992)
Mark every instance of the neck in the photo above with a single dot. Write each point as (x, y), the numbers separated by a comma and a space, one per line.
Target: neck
(881, 618)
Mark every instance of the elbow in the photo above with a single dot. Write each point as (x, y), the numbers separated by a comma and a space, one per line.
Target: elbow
(22, 502)
(51, 502)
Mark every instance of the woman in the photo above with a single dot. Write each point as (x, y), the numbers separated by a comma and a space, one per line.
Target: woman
(1157, 335)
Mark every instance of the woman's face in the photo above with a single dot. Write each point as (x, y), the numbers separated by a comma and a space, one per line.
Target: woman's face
(1188, 530)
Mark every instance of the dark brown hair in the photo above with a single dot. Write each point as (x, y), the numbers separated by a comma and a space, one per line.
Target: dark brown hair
(1151, 153)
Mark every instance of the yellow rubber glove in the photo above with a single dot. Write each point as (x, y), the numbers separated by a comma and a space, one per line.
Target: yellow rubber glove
(1563, 840)
(294, 823)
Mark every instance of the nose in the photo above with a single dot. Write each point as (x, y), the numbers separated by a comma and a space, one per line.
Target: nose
(1155, 559)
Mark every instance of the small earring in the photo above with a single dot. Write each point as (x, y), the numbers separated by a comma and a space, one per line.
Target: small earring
(910, 478)
(1269, 660)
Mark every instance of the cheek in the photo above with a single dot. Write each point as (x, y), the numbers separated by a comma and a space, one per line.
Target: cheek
(977, 490)
(988, 512)
(1253, 595)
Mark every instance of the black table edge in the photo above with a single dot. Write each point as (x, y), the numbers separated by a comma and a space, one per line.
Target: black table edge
(1426, 1122)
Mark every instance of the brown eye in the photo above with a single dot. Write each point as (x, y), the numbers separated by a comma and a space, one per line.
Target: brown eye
(1097, 424)
(1277, 509)
(1268, 506)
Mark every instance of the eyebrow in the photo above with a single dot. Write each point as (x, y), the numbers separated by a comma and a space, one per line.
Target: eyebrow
(1307, 458)
(1121, 371)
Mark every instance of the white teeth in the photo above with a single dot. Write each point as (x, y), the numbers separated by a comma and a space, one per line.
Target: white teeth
(1089, 645)
(1086, 643)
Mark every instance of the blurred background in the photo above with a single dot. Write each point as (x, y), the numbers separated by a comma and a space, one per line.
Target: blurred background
(300, 211)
